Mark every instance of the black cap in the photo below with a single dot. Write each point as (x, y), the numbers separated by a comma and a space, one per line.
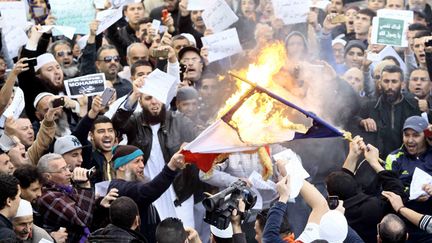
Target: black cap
(187, 49)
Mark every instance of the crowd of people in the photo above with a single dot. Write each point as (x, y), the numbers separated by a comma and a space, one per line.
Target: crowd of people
(59, 154)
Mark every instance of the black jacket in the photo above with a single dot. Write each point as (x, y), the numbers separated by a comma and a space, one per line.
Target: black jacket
(144, 194)
(6, 231)
(389, 119)
(116, 234)
(363, 212)
(121, 38)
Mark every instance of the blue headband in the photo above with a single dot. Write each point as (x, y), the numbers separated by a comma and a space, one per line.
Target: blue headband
(120, 161)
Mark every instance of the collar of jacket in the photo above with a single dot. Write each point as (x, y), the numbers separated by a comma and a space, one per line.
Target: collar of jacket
(404, 97)
(5, 222)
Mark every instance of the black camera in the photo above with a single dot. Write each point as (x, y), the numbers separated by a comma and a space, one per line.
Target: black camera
(219, 207)
(428, 43)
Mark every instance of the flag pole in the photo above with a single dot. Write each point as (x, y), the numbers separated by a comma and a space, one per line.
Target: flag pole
(285, 102)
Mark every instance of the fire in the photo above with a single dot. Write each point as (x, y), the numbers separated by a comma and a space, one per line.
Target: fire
(261, 119)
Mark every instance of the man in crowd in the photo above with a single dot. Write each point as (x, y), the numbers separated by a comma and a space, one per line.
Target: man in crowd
(70, 148)
(9, 202)
(187, 103)
(387, 114)
(131, 182)
(125, 219)
(190, 57)
(62, 52)
(6, 165)
(30, 180)
(419, 85)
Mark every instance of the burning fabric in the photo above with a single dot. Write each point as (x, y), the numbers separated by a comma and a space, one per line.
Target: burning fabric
(256, 116)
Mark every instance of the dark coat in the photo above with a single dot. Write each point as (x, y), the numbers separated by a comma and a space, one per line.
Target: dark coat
(6, 230)
(116, 234)
(144, 194)
(389, 119)
(363, 212)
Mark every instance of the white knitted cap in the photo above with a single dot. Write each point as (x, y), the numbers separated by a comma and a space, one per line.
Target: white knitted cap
(24, 209)
(44, 59)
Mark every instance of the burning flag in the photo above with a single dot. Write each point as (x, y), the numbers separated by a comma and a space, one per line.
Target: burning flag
(255, 116)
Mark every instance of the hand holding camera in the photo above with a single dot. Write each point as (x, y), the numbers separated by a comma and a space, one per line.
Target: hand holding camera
(81, 177)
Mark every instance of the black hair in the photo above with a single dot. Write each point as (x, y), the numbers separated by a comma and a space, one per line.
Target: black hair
(392, 229)
(100, 119)
(392, 58)
(8, 188)
(417, 26)
(262, 218)
(103, 48)
(27, 174)
(144, 20)
(422, 33)
(393, 69)
(123, 212)
(140, 63)
(170, 230)
(342, 185)
(368, 12)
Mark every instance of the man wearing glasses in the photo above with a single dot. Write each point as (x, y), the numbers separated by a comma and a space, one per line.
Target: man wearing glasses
(108, 62)
(62, 52)
(67, 199)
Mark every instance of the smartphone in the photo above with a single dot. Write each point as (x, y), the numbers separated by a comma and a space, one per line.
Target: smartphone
(31, 62)
(165, 14)
(182, 71)
(333, 202)
(338, 19)
(160, 53)
(107, 95)
(428, 43)
(58, 102)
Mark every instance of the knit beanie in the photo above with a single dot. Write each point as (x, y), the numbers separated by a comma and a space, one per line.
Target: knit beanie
(355, 43)
(124, 154)
(186, 93)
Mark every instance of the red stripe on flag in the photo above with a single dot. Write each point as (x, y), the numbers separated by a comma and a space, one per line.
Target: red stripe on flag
(204, 162)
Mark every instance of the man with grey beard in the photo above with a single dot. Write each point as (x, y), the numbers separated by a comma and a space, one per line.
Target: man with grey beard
(130, 182)
(62, 51)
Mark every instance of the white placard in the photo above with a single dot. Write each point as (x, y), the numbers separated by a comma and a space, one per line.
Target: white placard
(99, 4)
(156, 24)
(196, 5)
(390, 27)
(419, 178)
(218, 16)
(14, 38)
(67, 31)
(387, 51)
(16, 107)
(292, 11)
(294, 169)
(13, 14)
(108, 18)
(160, 85)
(101, 188)
(222, 44)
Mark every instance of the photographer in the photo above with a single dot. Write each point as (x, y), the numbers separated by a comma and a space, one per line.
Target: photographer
(67, 199)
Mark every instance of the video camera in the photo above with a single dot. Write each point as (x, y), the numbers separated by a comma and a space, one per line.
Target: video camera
(219, 207)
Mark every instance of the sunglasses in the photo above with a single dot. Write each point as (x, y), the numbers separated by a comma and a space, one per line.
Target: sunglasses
(64, 53)
(108, 59)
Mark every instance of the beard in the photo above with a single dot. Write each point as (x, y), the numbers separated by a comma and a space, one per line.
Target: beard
(71, 72)
(52, 87)
(150, 118)
(132, 176)
(391, 96)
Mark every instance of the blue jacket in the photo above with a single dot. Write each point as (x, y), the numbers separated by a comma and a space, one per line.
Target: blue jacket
(404, 164)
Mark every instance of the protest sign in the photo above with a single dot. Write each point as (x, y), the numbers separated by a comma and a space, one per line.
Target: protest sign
(108, 18)
(90, 85)
(390, 27)
(14, 39)
(15, 108)
(292, 11)
(218, 16)
(77, 14)
(222, 44)
(196, 5)
(160, 85)
(13, 14)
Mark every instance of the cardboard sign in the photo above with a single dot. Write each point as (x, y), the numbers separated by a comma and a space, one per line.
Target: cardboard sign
(89, 85)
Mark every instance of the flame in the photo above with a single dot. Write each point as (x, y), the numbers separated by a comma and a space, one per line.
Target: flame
(261, 119)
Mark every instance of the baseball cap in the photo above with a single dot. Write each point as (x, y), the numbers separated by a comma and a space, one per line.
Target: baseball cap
(187, 49)
(66, 144)
(333, 227)
(417, 123)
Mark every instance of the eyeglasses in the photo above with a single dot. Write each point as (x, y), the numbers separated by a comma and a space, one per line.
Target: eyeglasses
(64, 53)
(108, 59)
(192, 60)
(62, 169)
(419, 79)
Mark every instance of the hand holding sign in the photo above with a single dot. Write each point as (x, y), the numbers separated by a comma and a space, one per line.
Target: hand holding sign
(160, 85)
